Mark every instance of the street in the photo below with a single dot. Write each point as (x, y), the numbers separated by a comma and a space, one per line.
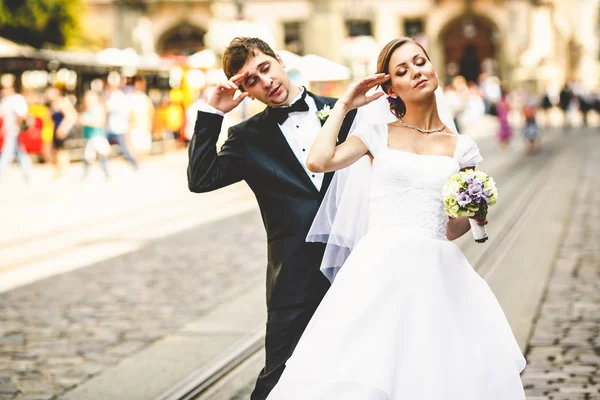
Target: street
(93, 274)
(563, 351)
(139, 239)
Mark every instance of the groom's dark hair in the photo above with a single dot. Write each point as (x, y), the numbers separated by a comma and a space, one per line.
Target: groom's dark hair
(240, 49)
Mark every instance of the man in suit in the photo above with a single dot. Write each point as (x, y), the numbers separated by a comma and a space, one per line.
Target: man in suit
(269, 152)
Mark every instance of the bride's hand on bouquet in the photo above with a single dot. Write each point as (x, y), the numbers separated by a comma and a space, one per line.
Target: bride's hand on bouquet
(356, 94)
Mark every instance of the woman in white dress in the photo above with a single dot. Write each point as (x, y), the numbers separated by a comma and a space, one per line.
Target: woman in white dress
(407, 317)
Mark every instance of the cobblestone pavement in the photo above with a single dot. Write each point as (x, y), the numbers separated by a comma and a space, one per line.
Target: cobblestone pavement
(564, 350)
(56, 333)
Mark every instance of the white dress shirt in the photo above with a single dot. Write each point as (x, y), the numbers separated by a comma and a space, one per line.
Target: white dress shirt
(300, 131)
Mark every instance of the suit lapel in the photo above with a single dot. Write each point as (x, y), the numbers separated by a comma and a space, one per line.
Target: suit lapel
(320, 103)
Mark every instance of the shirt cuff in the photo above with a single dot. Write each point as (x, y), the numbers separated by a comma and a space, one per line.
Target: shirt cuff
(210, 109)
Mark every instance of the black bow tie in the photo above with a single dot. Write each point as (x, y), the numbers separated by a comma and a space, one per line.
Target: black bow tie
(280, 114)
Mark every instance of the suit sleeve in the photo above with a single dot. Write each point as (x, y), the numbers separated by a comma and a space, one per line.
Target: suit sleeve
(348, 125)
(207, 169)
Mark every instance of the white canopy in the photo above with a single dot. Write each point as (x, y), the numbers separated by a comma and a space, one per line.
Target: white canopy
(315, 68)
(291, 60)
(203, 59)
(11, 49)
(221, 33)
(126, 58)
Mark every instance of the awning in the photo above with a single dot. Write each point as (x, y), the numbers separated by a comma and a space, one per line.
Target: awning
(203, 59)
(315, 68)
(291, 60)
(10, 49)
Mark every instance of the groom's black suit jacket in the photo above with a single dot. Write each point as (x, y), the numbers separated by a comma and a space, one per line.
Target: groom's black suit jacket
(257, 151)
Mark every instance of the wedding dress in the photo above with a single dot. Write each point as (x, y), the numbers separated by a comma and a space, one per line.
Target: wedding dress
(407, 317)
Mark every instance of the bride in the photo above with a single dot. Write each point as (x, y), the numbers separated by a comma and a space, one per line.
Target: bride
(407, 317)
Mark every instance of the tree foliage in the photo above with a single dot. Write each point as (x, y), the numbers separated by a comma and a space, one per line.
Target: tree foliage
(40, 22)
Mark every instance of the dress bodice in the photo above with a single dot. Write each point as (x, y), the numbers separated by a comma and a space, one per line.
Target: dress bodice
(406, 188)
(406, 191)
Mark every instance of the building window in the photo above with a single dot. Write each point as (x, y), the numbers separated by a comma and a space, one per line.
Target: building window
(413, 27)
(292, 39)
(359, 27)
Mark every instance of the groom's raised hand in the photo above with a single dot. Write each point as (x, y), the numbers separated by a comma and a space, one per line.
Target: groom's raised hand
(223, 96)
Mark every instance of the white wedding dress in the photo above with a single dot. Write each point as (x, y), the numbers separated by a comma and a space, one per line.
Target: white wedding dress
(407, 317)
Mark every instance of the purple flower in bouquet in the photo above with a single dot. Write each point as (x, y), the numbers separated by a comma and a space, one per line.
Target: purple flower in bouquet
(463, 199)
(475, 186)
(485, 195)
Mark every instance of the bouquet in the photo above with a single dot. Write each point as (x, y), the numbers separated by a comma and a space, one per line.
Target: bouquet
(469, 193)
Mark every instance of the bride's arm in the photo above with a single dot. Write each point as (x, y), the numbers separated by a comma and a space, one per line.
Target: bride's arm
(325, 156)
(457, 227)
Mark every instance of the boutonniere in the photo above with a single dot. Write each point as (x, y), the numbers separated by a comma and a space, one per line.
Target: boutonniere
(323, 113)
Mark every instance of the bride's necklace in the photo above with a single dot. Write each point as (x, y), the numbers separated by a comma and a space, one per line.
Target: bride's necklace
(421, 129)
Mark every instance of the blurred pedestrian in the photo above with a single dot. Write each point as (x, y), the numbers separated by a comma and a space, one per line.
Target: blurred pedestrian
(13, 111)
(64, 117)
(596, 101)
(546, 101)
(565, 99)
(546, 104)
(491, 92)
(93, 120)
(167, 122)
(190, 118)
(142, 111)
(531, 130)
(173, 118)
(504, 129)
(474, 106)
(455, 104)
(586, 104)
(118, 119)
(40, 113)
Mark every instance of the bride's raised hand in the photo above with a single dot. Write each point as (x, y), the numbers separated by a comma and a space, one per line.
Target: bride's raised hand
(356, 94)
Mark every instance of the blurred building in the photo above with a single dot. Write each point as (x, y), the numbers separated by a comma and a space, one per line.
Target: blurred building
(522, 41)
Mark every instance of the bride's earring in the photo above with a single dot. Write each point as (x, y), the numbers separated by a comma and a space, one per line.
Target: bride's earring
(392, 99)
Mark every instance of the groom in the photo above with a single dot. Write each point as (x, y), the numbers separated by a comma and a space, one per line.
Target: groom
(269, 152)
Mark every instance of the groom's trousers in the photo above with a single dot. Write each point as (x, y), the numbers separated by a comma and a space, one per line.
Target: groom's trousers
(284, 329)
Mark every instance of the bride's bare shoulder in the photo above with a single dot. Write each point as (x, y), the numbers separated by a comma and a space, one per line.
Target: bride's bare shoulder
(448, 136)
